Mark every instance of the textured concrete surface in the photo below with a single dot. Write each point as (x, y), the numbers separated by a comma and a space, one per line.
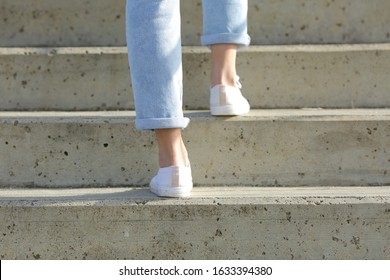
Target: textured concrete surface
(307, 148)
(320, 21)
(65, 79)
(329, 76)
(217, 223)
(264, 148)
(102, 22)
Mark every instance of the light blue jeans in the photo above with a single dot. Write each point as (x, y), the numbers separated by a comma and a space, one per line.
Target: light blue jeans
(155, 58)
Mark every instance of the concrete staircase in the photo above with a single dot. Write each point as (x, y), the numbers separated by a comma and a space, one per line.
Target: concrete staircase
(304, 176)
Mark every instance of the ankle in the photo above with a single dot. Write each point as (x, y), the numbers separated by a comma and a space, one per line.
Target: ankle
(223, 64)
(220, 79)
(172, 151)
(175, 157)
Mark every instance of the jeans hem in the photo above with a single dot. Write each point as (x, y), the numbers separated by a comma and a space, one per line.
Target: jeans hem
(159, 123)
(242, 40)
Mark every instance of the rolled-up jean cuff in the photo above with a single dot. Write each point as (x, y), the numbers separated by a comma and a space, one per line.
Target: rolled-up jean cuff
(150, 124)
(242, 40)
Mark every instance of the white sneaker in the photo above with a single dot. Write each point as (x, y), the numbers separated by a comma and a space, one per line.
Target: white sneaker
(173, 181)
(228, 100)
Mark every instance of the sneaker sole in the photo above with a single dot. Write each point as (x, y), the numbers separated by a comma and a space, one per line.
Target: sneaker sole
(228, 110)
(170, 192)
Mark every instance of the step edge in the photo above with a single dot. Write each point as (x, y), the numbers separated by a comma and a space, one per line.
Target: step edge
(201, 195)
(99, 50)
(311, 114)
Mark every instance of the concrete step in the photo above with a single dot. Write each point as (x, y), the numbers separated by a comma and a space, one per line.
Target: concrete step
(216, 223)
(265, 148)
(102, 22)
(93, 78)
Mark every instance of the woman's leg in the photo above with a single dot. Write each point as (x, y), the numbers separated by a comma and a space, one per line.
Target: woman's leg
(154, 47)
(154, 44)
(223, 64)
(225, 22)
(172, 151)
(224, 30)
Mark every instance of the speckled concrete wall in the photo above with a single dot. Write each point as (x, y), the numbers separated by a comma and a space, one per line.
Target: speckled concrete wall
(273, 77)
(262, 227)
(270, 148)
(74, 79)
(102, 22)
(277, 148)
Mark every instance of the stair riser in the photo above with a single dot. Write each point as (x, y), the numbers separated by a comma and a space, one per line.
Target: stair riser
(245, 151)
(275, 230)
(65, 82)
(273, 77)
(102, 22)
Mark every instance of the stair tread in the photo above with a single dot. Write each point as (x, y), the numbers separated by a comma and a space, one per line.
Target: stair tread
(64, 116)
(254, 223)
(201, 195)
(83, 50)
